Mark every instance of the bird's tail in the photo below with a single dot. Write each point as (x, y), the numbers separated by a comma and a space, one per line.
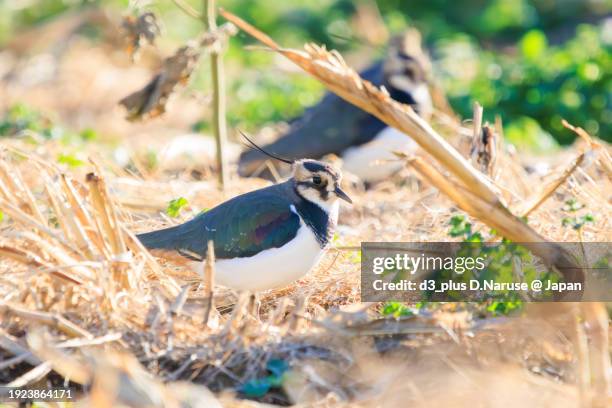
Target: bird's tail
(160, 239)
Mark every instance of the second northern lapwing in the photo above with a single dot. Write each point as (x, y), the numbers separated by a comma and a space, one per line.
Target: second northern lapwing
(263, 239)
(364, 142)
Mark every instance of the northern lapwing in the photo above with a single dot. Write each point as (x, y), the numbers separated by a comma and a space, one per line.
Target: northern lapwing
(263, 239)
(363, 142)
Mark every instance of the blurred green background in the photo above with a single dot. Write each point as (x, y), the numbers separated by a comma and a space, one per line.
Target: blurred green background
(533, 62)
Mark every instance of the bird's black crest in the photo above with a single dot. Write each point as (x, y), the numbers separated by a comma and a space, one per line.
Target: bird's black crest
(253, 145)
(315, 166)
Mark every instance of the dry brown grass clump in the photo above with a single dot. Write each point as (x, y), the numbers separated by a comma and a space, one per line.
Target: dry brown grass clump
(75, 286)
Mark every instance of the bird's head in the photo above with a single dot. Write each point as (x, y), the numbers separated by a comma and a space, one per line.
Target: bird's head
(318, 182)
(405, 71)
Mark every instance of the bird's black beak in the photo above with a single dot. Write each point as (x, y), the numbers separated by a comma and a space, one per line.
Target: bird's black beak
(342, 195)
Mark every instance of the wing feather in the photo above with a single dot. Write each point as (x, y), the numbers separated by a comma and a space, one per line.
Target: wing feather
(241, 227)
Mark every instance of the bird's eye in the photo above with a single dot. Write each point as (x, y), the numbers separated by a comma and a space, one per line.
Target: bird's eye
(317, 180)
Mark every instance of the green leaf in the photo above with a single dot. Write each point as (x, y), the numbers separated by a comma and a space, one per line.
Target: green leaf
(578, 222)
(475, 237)
(457, 220)
(459, 226)
(572, 205)
(175, 206)
(504, 308)
(88, 135)
(396, 309)
(69, 160)
(533, 44)
(588, 218)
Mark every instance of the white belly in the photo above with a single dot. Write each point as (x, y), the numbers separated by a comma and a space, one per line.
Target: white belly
(374, 161)
(271, 268)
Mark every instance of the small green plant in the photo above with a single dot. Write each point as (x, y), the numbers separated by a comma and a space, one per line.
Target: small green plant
(572, 205)
(460, 227)
(501, 259)
(88, 135)
(258, 387)
(577, 222)
(70, 160)
(175, 206)
(151, 161)
(20, 118)
(504, 308)
(336, 238)
(396, 310)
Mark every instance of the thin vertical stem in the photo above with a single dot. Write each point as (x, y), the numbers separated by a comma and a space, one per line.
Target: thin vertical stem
(209, 280)
(218, 83)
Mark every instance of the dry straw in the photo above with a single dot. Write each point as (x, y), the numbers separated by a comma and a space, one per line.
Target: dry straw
(81, 298)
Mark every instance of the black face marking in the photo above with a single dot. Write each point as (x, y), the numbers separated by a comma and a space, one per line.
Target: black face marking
(317, 219)
(403, 97)
(321, 187)
(405, 57)
(314, 166)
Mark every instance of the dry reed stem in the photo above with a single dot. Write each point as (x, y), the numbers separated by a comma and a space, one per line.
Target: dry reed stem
(11, 344)
(209, 280)
(606, 159)
(137, 248)
(54, 320)
(187, 9)
(65, 223)
(77, 204)
(67, 365)
(547, 191)
(13, 361)
(110, 211)
(15, 184)
(110, 228)
(477, 120)
(329, 68)
(62, 257)
(31, 259)
(69, 223)
(106, 227)
(217, 75)
(32, 376)
(42, 229)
